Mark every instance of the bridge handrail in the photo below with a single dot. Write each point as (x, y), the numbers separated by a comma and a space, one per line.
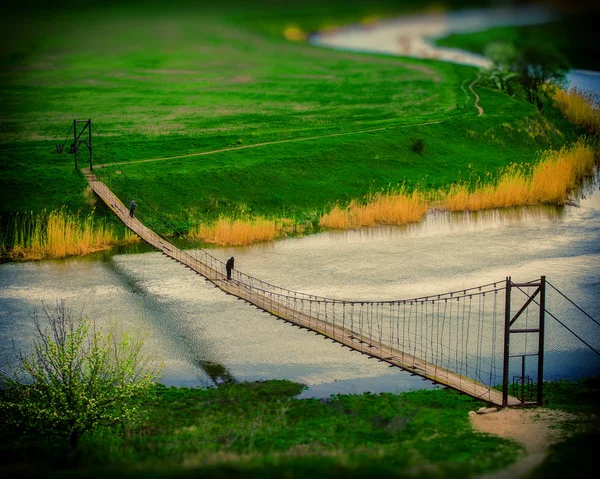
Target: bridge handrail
(459, 294)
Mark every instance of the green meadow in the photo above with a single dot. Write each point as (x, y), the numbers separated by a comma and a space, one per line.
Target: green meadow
(161, 82)
(262, 430)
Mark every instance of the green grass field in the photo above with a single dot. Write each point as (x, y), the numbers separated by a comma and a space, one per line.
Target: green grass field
(261, 430)
(161, 82)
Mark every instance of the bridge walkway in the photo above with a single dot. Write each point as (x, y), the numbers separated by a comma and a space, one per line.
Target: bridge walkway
(280, 306)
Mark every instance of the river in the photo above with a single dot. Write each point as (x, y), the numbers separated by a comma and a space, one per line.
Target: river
(414, 36)
(206, 337)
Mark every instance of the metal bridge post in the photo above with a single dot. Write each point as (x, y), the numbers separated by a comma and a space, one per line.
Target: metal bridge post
(540, 382)
(90, 137)
(75, 142)
(506, 342)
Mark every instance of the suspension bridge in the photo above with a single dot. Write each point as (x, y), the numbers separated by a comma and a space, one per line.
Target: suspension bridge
(455, 339)
(471, 340)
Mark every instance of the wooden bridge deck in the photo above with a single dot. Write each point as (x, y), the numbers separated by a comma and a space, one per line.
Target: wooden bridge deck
(266, 302)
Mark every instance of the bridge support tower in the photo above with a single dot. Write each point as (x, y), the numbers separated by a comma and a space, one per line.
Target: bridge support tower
(516, 353)
(87, 125)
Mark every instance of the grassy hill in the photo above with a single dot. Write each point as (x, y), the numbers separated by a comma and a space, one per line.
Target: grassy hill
(160, 82)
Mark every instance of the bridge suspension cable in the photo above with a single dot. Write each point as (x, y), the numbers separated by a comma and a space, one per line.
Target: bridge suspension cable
(572, 302)
(583, 341)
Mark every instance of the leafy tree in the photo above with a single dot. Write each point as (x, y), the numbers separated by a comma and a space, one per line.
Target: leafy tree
(530, 68)
(77, 378)
(538, 66)
(500, 75)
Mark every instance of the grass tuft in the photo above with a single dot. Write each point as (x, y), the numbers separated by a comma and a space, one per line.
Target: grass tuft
(58, 234)
(580, 106)
(239, 232)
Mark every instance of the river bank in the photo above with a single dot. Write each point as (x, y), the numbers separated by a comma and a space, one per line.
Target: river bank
(462, 36)
(553, 180)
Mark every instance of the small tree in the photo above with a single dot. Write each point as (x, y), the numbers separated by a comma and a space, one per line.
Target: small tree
(530, 69)
(76, 378)
(500, 75)
(538, 66)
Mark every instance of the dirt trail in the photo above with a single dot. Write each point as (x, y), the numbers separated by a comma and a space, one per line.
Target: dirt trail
(476, 95)
(256, 145)
(529, 427)
(331, 135)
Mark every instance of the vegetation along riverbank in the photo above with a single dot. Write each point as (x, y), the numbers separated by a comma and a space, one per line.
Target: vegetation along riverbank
(260, 430)
(226, 131)
(58, 234)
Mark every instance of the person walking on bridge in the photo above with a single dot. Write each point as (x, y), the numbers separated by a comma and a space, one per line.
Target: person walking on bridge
(229, 267)
(132, 207)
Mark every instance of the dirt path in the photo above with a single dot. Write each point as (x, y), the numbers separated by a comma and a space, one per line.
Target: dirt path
(331, 135)
(529, 427)
(476, 95)
(256, 145)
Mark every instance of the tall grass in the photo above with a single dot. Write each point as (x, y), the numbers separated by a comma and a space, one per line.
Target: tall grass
(549, 182)
(580, 106)
(239, 232)
(57, 234)
(382, 208)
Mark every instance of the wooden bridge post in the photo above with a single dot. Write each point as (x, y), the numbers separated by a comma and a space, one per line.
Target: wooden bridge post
(507, 318)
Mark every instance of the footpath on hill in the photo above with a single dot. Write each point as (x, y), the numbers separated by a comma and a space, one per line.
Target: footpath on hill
(330, 135)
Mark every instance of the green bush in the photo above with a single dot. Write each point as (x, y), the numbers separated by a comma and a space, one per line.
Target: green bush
(76, 379)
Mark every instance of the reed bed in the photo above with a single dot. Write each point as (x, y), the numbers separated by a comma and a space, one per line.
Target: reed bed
(245, 231)
(549, 182)
(382, 208)
(580, 106)
(58, 234)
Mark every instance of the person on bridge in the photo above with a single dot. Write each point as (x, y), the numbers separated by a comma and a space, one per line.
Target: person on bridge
(229, 267)
(132, 207)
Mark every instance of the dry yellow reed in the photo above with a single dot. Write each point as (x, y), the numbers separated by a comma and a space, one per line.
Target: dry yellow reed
(550, 181)
(580, 106)
(238, 232)
(383, 208)
(59, 234)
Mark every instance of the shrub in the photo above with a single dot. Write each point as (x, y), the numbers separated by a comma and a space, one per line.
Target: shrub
(76, 379)
(417, 145)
